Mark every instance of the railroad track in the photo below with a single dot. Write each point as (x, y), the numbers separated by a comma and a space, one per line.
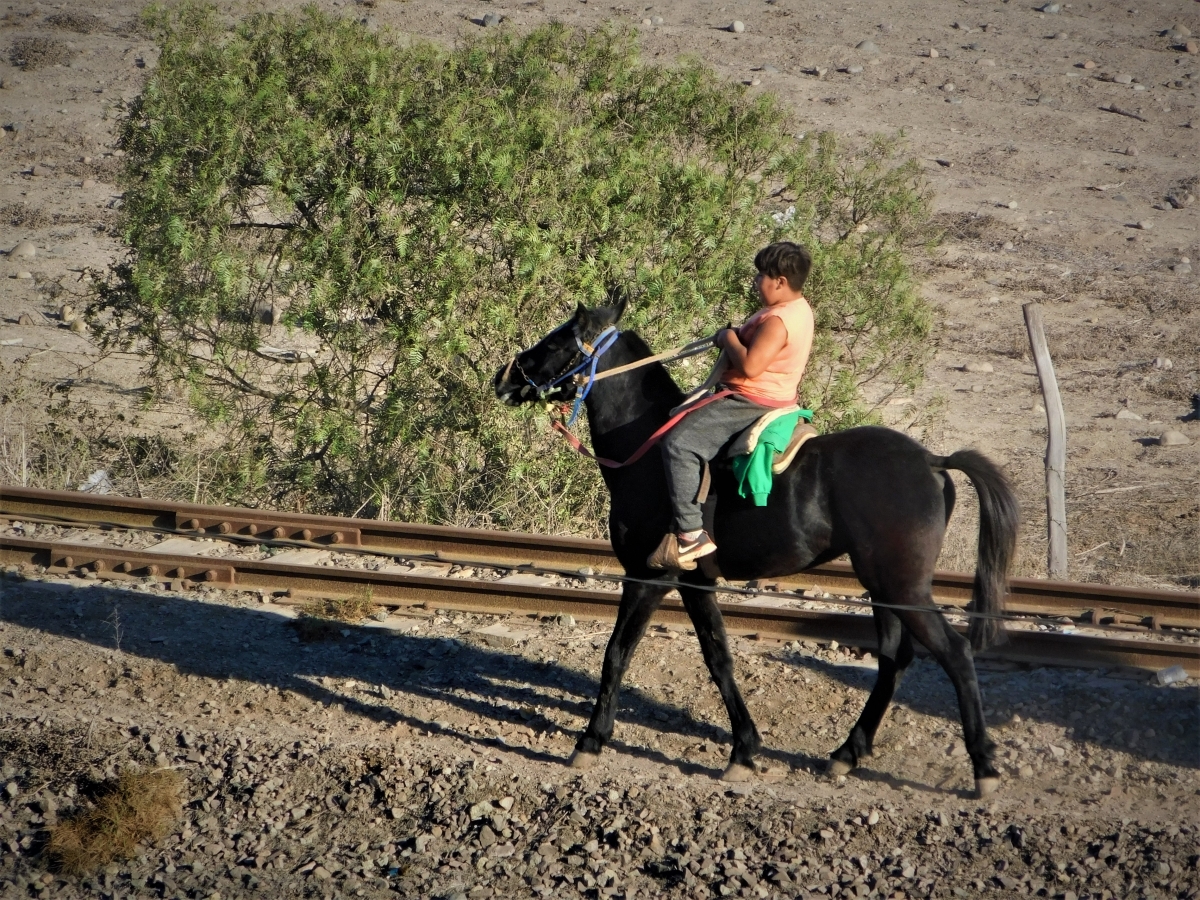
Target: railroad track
(1165, 622)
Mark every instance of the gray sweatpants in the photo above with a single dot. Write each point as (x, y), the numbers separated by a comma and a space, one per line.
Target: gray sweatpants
(695, 441)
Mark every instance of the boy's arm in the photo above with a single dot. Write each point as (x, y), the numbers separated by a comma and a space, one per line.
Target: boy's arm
(753, 359)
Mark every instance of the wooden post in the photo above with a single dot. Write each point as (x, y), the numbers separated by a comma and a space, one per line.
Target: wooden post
(1056, 442)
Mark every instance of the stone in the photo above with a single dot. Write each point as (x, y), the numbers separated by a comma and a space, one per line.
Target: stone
(978, 367)
(79, 326)
(25, 319)
(1088, 64)
(41, 171)
(321, 873)
(867, 47)
(23, 250)
(1178, 32)
(1144, 225)
(1128, 415)
(986, 62)
(1026, 771)
(11, 790)
(1122, 79)
(873, 818)
(1182, 269)
(487, 837)
(854, 70)
(1163, 362)
(1192, 47)
(1173, 438)
(656, 20)
(25, 276)
(1051, 9)
(1060, 36)
(1012, 204)
(948, 87)
(490, 20)
(88, 183)
(1132, 150)
(932, 53)
(737, 27)
(1008, 245)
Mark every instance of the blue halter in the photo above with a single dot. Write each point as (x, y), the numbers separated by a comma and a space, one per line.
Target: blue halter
(591, 359)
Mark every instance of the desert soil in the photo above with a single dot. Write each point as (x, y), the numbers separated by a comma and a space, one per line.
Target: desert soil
(380, 761)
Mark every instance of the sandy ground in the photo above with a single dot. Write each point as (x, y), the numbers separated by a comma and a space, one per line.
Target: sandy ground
(352, 766)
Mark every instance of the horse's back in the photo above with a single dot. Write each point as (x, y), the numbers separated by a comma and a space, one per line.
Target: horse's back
(858, 491)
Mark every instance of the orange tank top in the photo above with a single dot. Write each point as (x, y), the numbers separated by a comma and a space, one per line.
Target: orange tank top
(779, 382)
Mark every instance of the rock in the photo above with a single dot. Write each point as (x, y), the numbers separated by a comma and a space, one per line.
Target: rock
(1163, 362)
(23, 250)
(1060, 36)
(1008, 245)
(565, 619)
(1051, 9)
(15, 127)
(948, 87)
(737, 27)
(1182, 269)
(1143, 225)
(873, 818)
(78, 326)
(25, 276)
(986, 62)
(1178, 32)
(932, 53)
(656, 20)
(854, 70)
(11, 790)
(1173, 438)
(1192, 47)
(1044, 99)
(88, 183)
(487, 837)
(978, 367)
(1130, 416)
(867, 47)
(321, 873)
(1088, 64)
(481, 810)
(1059, 752)
(490, 20)
(40, 171)
(506, 803)
(1122, 79)
(1012, 204)
(1132, 150)
(1026, 771)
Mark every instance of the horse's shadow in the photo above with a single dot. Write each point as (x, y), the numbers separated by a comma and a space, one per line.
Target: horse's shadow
(502, 691)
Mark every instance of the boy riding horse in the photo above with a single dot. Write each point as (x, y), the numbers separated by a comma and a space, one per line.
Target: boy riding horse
(765, 359)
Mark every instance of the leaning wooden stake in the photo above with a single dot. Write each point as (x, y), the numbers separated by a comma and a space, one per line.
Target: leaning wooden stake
(1056, 442)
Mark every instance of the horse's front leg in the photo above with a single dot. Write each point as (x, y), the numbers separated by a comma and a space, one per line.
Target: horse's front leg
(706, 618)
(638, 603)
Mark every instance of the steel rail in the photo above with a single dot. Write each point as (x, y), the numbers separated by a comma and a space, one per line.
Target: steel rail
(1027, 596)
(398, 589)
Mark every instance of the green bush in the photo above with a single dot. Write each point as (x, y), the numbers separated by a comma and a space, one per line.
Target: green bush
(412, 215)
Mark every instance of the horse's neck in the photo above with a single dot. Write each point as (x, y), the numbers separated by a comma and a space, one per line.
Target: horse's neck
(623, 411)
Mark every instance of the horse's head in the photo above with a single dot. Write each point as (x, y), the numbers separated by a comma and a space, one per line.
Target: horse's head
(538, 373)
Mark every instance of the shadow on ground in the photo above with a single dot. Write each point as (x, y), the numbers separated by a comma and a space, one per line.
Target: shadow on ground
(506, 690)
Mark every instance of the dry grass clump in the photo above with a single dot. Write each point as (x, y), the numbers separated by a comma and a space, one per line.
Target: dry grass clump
(319, 618)
(141, 806)
(84, 23)
(31, 53)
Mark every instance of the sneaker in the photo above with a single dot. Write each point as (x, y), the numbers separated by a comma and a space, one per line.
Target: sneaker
(673, 553)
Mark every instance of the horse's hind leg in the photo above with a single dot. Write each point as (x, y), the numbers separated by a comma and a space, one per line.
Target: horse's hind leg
(638, 603)
(953, 653)
(706, 618)
(895, 653)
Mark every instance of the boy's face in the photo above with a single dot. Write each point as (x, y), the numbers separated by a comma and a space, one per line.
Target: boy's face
(773, 289)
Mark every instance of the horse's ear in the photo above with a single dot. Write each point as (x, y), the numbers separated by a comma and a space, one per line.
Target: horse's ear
(581, 314)
(618, 299)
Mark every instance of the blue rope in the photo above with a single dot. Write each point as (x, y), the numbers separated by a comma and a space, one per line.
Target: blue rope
(606, 339)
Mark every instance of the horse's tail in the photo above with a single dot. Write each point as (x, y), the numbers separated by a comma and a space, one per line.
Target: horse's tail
(999, 516)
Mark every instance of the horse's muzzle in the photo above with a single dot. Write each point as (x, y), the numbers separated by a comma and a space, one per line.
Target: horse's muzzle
(508, 392)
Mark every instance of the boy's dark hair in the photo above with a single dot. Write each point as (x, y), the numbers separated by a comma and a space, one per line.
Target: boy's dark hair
(785, 258)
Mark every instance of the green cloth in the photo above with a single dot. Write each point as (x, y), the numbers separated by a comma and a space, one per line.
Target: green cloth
(753, 469)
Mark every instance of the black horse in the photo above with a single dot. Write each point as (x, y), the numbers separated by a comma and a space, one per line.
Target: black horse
(870, 492)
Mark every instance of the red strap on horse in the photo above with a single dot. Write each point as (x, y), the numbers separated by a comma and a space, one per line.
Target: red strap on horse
(649, 442)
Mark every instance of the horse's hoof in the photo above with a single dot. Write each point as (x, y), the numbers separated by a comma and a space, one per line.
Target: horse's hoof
(736, 773)
(838, 767)
(581, 759)
(986, 786)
